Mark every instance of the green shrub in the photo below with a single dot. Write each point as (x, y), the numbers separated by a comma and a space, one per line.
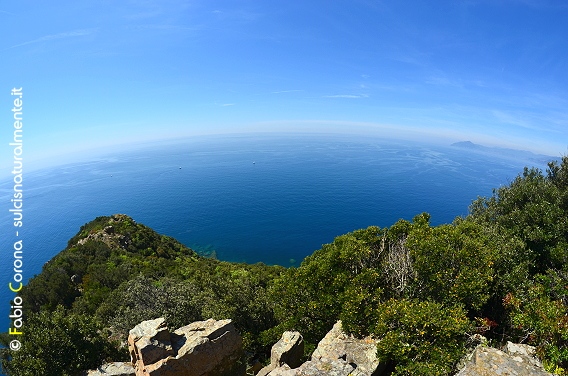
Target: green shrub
(420, 337)
(59, 344)
(539, 316)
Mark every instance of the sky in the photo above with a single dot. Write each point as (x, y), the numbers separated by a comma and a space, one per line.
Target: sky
(112, 74)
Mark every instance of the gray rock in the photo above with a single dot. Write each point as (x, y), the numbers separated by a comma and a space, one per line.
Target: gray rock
(360, 352)
(488, 361)
(316, 368)
(113, 369)
(149, 342)
(203, 348)
(266, 370)
(331, 367)
(283, 370)
(289, 350)
(337, 354)
(526, 352)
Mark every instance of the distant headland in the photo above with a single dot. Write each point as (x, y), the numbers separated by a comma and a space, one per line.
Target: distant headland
(506, 152)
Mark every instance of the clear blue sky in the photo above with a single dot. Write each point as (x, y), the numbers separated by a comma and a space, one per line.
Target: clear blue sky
(102, 72)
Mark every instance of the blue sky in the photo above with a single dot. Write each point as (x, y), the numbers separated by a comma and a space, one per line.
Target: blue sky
(111, 73)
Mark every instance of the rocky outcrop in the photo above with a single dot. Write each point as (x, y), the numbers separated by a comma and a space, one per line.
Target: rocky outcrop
(515, 360)
(149, 342)
(203, 348)
(113, 369)
(360, 352)
(108, 235)
(337, 354)
(214, 348)
(288, 351)
(525, 352)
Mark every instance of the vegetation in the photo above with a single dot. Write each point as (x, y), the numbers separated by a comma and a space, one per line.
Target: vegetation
(423, 290)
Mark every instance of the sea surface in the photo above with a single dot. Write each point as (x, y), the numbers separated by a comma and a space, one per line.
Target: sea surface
(249, 198)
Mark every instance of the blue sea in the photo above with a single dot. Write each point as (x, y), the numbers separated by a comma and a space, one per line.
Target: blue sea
(250, 198)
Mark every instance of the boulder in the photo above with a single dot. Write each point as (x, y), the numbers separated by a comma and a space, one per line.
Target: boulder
(488, 361)
(149, 342)
(202, 348)
(525, 352)
(287, 351)
(337, 354)
(315, 368)
(360, 352)
(113, 369)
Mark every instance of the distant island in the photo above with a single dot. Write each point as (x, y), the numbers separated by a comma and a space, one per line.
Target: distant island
(516, 154)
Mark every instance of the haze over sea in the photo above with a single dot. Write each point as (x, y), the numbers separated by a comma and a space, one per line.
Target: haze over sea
(252, 198)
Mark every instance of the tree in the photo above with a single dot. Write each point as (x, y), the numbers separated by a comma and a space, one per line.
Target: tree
(534, 208)
(453, 263)
(310, 298)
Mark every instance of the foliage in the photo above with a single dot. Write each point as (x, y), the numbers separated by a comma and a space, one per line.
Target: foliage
(420, 337)
(362, 296)
(453, 263)
(539, 316)
(58, 344)
(533, 208)
(309, 299)
(533, 283)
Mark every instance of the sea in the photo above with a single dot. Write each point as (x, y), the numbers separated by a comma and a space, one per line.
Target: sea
(271, 198)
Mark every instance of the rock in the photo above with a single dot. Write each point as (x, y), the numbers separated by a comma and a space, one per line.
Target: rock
(488, 361)
(149, 342)
(254, 368)
(331, 367)
(526, 352)
(282, 370)
(108, 234)
(360, 352)
(316, 368)
(337, 354)
(203, 348)
(113, 369)
(267, 370)
(289, 350)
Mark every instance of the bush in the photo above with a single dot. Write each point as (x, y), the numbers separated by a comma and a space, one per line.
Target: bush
(59, 344)
(539, 316)
(420, 337)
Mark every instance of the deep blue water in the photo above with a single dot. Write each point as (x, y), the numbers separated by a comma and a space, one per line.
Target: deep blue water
(273, 199)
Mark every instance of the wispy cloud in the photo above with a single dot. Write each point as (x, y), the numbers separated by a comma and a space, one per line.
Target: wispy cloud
(154, 8)
(50, 37)
(519, 120)
(165, 27)
(143, 15)
(228, 104)
(352, 96)
(286, 91)
(444, 81)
